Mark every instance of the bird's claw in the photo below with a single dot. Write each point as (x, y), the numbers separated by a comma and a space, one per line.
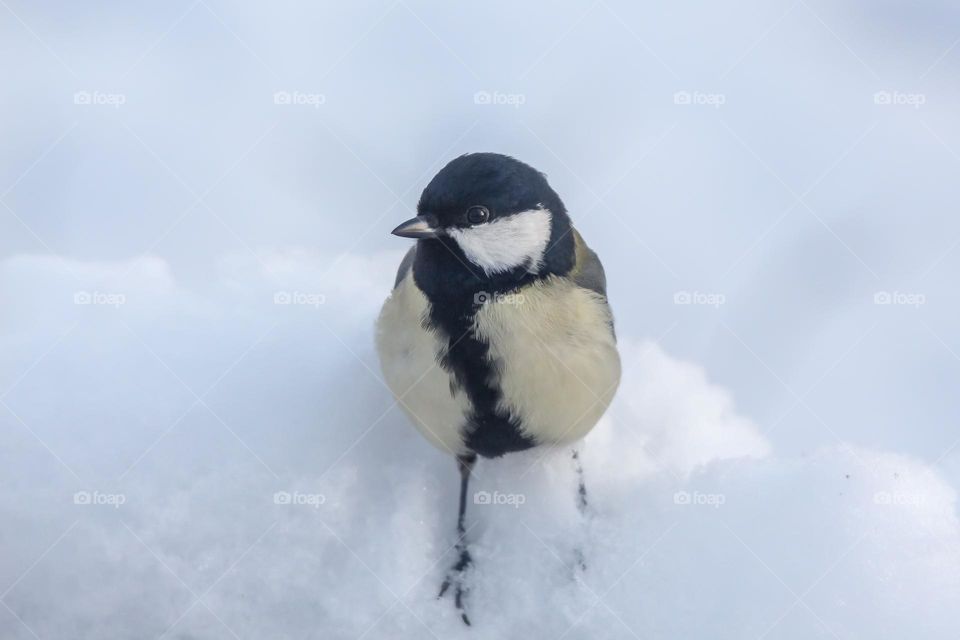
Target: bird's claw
(455, 579)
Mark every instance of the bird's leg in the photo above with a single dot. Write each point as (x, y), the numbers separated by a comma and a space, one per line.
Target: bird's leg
(581, 485)
(455, 574)
(581, 498)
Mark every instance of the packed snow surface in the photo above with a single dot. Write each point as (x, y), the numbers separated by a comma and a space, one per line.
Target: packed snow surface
(190, 466)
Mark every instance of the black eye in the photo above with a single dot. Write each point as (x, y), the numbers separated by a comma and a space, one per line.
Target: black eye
(477, 214)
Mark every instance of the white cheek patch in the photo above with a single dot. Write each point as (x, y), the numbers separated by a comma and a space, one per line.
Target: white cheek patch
(507, 243)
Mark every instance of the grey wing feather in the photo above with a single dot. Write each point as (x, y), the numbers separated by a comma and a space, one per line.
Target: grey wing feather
(405, 265)
(588, 271)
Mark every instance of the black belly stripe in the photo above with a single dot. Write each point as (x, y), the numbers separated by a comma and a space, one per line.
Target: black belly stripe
(455, 292)
(487, 431)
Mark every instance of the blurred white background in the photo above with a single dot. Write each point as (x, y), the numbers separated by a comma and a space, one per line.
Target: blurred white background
(771, 186)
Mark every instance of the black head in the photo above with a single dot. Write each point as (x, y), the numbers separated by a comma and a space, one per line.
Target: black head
(503, 185)
(495, 214)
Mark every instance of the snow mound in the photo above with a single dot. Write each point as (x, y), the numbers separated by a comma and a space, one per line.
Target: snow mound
(220, 463)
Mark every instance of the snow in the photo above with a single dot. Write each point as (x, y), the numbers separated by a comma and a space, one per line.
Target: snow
(249, 475)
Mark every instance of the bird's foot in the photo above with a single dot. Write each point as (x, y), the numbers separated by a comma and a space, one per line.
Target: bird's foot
(454, 579)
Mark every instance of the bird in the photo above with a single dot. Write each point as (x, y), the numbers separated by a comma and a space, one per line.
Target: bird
(497, 336)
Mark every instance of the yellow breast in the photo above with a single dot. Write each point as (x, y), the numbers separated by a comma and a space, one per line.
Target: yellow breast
(554, 353)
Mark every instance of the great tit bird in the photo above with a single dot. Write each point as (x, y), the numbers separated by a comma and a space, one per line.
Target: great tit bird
(497, 336)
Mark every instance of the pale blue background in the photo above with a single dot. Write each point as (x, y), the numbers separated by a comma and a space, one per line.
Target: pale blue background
(797, 200)
(693, 198)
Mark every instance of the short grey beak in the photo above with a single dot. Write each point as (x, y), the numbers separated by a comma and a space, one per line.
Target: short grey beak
(419, 227)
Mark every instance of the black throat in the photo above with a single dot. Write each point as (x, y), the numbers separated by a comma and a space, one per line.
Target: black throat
(456, 289)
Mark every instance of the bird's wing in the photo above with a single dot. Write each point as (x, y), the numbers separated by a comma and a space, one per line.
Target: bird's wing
(587, 271)
(405, 265)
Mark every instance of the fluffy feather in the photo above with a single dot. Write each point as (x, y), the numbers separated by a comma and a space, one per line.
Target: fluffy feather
(558, 367)
(409, 355)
